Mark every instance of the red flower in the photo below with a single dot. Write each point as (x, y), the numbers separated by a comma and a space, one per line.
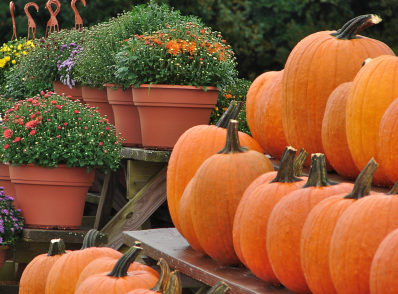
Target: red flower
(58, 136)
(30, 99)
(101, 143)
(6, 146)
(54, 102)
(77, 111)
(59, 127)
(32, 132)
(7, 133)
(17, 139)
(31, 124)
(32, 115)
(65, 124)
(58, 106)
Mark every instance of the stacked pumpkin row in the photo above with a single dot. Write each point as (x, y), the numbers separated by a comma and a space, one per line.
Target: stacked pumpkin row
(328, 100)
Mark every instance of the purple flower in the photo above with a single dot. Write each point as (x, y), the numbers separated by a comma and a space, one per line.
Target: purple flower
(63, 47)
(4, 211)
(1, 239)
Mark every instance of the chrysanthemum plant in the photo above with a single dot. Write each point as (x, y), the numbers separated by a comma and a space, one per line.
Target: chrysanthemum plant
(11, 220)
(49, 129)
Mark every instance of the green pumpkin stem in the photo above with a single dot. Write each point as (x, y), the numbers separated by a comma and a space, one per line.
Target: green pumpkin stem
(318, 175)
(122, 265)
(227, 115)
(232, 144)
(353, 27)
(164, 278)
(174, 286)
(219, 288)
(57, 247)
(363, 182)
(394, 189)
(298, 163)
(90, 239)
(286, 169)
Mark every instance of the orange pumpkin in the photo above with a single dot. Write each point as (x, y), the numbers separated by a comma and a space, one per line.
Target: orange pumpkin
(191, 150)
(217, 188)
(66, 270)
(119, 280)
(318, 229)
(366, 104)
(334, 138)
(287, 220)
(387, 142)
(315, 67)
(34, 277)
(251, 218)
(356, 237)
(384, 268)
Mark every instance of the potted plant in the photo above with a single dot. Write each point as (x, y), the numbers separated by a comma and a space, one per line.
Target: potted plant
(176, 73)
(53, 146)
(11, 224)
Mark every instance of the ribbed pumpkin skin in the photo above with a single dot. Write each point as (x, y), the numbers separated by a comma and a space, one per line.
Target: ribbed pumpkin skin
(34, 276)
(251, 222)
(217, 188)
(65, 273)
(374, 88)
(253, 96)
(103, 284)
(106, 264)
(314, 68)
(284, 232)
(384, 269)
(357, 235)
(191, 150)
(268, 131)
(388, 142)
(334, 138)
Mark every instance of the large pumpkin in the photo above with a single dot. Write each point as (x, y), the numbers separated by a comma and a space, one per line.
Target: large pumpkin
(315, 67)
(318, 229)
(384, 269)
(374, 89)
(268, 131)
(356, 237)
(287, 220)
(217, 188)
(34, 277)
(252, 214)
(193, 147)
(334, 138)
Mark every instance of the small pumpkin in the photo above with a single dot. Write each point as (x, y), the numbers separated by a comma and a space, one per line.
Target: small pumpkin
(34, 277)
(287, 220)
(65, 272)
(318, 230)
(217, 188)
(119, 280)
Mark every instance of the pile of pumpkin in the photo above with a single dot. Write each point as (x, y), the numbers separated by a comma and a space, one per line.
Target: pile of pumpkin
(307, 233)
(98, 270)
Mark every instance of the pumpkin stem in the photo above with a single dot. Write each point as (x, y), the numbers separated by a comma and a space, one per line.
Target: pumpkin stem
(232, 144)
(174, 286)
(354, 26)
(298, 163)
(164, 278)
(227, 115)
(122, 265)
(363, 182)
(286, 169)
(57, 247)
(90, 239)
(394, 189)
(318, 175)
(219, 288)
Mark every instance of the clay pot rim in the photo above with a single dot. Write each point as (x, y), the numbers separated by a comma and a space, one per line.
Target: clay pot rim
(183, 87)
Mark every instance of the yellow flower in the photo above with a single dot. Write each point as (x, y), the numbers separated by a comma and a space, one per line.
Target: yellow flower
(19, 47)
(7, 58)
(13, 61)
(24, 52)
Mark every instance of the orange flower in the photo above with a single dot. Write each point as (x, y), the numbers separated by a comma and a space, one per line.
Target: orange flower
(173, 47)
(228, 96)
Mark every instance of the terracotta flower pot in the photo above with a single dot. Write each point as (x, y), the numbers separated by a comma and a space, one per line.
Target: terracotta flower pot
(75, 92)
(127, 120)
(167, 111)
(5, 182)
(3, 251)
(51, 197)
(97, 97)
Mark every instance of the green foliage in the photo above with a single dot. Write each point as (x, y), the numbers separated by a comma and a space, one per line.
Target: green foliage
(49, 129)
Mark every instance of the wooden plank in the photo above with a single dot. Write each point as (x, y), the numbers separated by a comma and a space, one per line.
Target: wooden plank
(137, 210)
(105, 203)
(170, 245)
(145, 154)
(69, 236)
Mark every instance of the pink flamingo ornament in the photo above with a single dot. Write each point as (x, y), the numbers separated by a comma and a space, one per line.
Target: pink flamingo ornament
(78, 19)
(52, 23)
(31, 22)
(14, 27)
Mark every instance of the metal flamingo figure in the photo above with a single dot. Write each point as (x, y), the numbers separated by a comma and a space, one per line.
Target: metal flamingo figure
(31, 22)
(52, 23)
(14, 27)
(78, 19)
